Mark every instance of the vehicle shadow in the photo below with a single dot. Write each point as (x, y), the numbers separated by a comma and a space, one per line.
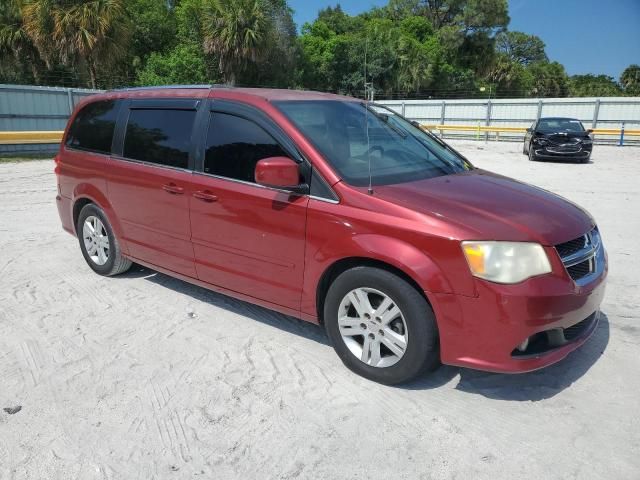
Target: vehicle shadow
(533, 386)
(269, 317)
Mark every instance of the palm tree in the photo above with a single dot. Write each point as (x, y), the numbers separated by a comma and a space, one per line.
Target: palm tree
(630, 79)
(14, 39)
(94, 32)
(237, 32)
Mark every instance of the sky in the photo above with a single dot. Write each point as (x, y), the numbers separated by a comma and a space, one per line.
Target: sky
(586, 36)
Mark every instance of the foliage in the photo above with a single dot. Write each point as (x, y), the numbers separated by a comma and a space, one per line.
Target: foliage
(413, 48)
(549, 80)
(185, 64)
(593, 86)
(630, 80)
(520, 47)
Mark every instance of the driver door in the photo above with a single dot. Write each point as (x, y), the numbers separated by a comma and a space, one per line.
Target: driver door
(246, 237)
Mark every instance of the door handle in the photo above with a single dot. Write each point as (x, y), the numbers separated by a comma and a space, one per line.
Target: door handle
(173, 188)
(205, 196)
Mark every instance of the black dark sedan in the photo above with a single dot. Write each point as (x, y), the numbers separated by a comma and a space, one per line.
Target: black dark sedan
(558, 138)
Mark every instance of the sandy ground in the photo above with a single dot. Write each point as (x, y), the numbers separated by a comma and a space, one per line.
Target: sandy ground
(143, 376)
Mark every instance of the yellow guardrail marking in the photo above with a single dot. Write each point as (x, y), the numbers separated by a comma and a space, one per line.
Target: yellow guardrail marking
(18, 138)
(55, 136)
(484, 128)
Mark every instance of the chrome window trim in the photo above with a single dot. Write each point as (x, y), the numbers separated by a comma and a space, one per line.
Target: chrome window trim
(149, 164)
(251, 184)
(322, 199)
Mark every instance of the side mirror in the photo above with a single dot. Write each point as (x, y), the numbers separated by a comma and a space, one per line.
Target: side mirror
(529, 130)
(589, 130)
(280, 172)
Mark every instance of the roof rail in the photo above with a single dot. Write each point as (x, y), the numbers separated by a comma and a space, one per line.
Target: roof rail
(157, 87)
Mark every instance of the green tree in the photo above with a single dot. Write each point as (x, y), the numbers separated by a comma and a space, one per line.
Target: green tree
(630, 80)
(16, 43)
(593, 86)
(154, 28)
(520, 47)
(549, 79)
(78, 32)
(238, 32)
(185, 64)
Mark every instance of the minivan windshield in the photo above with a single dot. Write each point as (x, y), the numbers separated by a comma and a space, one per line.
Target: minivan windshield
(356, 136)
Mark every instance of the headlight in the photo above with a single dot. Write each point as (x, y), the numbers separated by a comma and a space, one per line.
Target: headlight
(506, 262)
(540, 141)
(587, 141)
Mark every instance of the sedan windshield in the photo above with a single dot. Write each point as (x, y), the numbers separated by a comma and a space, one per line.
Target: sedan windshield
(356, 137)
(557, 125)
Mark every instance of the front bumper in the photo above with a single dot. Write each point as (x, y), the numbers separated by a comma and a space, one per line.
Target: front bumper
(483, 332)
(548, 152)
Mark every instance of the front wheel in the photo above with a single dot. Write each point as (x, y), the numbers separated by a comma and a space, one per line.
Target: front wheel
(380, 326)
(532, 155)
(98, 243)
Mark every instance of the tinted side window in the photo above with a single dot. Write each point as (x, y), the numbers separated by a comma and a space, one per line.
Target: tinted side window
(159, 136)
(93, 127)
(234, 146)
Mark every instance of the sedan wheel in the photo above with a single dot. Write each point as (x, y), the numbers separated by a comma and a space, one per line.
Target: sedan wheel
(372, 327)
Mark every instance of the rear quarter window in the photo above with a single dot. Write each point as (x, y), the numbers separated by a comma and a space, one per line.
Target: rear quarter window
(93, 127)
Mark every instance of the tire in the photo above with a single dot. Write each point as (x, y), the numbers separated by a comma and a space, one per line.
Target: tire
(532, 155)
(415, 325)
(106, 258)
(524, 148)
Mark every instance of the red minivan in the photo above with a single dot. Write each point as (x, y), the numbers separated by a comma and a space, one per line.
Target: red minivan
(336, 211)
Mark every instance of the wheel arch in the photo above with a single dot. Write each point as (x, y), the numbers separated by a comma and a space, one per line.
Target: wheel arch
(344, 264)
(85, 194)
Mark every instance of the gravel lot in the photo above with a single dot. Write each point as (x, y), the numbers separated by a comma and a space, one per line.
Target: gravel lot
(142, 376)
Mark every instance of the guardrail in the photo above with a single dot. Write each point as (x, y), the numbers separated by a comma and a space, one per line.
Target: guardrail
(33, 137)
(619, 133)
(55, 136)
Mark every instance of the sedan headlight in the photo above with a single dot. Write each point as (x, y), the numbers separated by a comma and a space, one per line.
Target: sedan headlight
(540, 141)
(506, 262)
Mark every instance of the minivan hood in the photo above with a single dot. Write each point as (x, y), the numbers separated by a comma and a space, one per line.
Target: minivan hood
(488, 206)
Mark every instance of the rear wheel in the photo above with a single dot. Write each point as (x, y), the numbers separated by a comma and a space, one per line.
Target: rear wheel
(380, 326)
(98, 243)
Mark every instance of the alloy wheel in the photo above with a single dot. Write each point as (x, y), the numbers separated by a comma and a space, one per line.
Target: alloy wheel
(96, 240)
(373, 327)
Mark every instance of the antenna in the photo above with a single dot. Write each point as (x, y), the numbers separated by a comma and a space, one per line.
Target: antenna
(366, 113)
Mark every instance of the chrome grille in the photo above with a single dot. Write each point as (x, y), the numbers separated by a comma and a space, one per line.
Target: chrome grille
(579, 255)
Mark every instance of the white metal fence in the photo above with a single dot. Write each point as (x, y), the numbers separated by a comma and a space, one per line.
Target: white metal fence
(606, 112)
(28, 108)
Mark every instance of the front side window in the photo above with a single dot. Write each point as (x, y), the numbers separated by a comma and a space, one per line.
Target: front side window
(235, 145)
(93, 127)
(353, 136)
(159, 136)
